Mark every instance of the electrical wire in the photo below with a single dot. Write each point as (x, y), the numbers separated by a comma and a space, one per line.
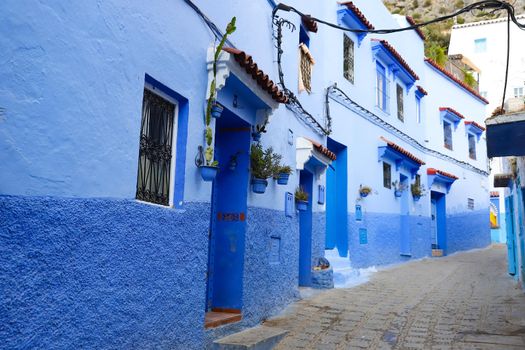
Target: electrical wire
(213, 27)
(495, 5)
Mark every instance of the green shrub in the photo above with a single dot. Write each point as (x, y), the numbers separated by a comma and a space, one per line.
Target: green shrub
(460, 20)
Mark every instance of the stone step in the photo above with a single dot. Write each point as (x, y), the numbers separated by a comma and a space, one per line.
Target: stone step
(257, 338)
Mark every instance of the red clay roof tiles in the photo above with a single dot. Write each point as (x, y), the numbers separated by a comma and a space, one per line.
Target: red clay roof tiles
(309, 23)
(423, 91)
(246, 62)
(433, 171)
(400, 59)
(350, 5)
(418, 30)
(323, 149)
(402, 151)
(475, 124)
(456, 80)
(441, 109)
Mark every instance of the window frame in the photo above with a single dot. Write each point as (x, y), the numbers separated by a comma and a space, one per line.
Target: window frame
(519, 92)
(445, 123)
(347, 58)
(472, 137)
(480, 45)
(418, 109)
(400, 91)
(175, 126)
(387, 184)
(384, 96)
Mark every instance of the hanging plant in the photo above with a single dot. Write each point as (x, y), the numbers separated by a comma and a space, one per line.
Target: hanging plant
(417, 191)
(282, 174)
(364, 191)
(209, 166)
(301, 199)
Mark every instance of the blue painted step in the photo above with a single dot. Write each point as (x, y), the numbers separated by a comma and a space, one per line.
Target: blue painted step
(257, 338)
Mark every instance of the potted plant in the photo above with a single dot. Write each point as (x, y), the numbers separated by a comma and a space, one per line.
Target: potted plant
(232, 164)
(398, 188)
(364, 191)
(258, 130)
(209, 167)
(262, 166)
(282, 174)
(301, 199)
(417, 191)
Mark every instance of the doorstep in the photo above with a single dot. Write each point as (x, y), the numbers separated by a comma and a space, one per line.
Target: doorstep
(220, 317)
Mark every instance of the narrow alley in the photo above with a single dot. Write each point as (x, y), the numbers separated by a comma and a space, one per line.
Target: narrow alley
(464, 301)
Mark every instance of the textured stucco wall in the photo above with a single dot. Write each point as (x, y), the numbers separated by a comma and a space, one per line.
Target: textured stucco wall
(101, 273)
(468, 231)
(384, 239)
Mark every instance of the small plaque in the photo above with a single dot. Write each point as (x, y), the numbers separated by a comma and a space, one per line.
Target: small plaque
(288, 204)
(230, 216)
(363, 236)
(275, 249)
(358, 213)
(320, 200)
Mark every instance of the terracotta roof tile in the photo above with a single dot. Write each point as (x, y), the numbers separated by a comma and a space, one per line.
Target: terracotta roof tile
(475, 124)
(423, 91)
(432, 171)
(246, 62)
(456, 80)
(402, 151)
(441, 109)
(400, 59)
(350, 5)
(418, 30)
(309, 23)
(494, 193)
(323, 149)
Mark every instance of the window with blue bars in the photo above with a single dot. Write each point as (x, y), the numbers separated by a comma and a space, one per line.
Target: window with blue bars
(472, 146)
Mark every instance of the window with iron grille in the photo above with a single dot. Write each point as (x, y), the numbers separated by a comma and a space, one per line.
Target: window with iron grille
(155, 154)
(348, 58)
(418, 180)
(472, 146)
(470, 203)
(447, 132)
(382, 97)
(399, 95)
(387, 175)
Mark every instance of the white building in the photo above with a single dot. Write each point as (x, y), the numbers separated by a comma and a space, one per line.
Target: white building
(485, 44)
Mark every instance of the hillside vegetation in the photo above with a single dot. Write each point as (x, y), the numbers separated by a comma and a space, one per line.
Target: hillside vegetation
(438, 35)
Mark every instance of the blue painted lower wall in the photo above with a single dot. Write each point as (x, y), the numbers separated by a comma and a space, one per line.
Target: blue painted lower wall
(107, 273)
(384, 239)
(101, 273)
(467, 231)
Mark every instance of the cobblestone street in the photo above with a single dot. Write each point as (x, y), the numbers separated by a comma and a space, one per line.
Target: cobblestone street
(465, 301)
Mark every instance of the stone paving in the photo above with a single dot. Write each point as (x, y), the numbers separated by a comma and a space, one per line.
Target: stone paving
(464, 301)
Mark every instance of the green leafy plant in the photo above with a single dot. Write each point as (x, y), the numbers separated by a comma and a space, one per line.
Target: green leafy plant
(208, 154)
(301, 194)
(285, 169)
(364, 189)
(469, 79)
(417, 190)
(263, 162)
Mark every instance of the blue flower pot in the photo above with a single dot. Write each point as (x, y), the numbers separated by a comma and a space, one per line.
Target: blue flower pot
(398, 193)
(416, 198)
(259, 185)
(256, 136)
(301, 205)
(282, 179)
(363, 194)
(216, 110)
(208, 173)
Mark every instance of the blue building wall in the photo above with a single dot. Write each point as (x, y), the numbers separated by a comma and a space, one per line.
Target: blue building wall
(467, 231)
(86, 265)
(101, 273)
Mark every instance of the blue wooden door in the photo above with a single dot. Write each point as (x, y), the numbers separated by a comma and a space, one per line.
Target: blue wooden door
(433, 224)
(521, 234)
(511, 241)
(228, 222)
(305, 232)
(405, 218)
